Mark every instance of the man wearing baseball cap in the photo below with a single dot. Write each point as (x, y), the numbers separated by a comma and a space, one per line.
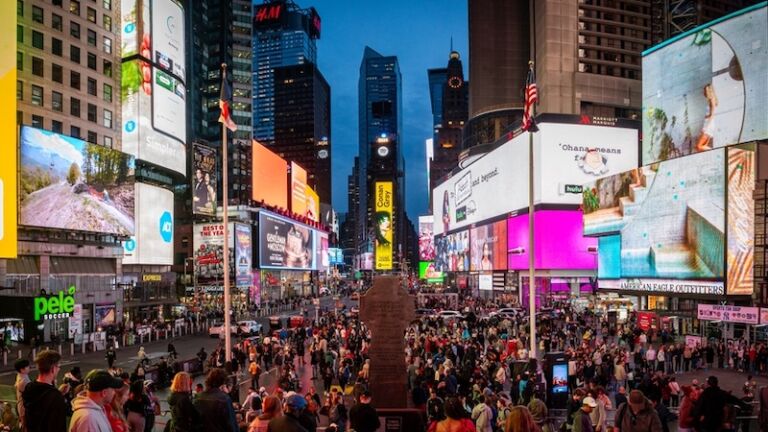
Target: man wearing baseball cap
(637, 415)
(581, 421)
(293, 405)
(88, 407)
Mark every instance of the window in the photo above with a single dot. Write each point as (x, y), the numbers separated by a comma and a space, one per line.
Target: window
(91, 86)
(92, 61)
(37, 95)
(107, 123)
(107, 45)
(107, 22)
(92, 113)
(57, 73)
(56, 22)
(107, 4)
(19, 117)
(107, 92)
(107, 141)
(74, 107)
(20, 90)
(57, 47)
(74, 131)
(37, 121)
(74, 80)
(57, 126)
(20, 7)
(91, 14)
(74, 53)
(92, 137)
(74, 7)
(37, 39)
(91, 37)
(19, 60)
(37, 14)
(20, 34)
(57, 101)
(107, 68)
(37, 66)
(74, 29)
(56, 3)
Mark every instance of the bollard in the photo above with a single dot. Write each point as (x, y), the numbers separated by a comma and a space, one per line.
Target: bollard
(34, 352)
(19, 355)
(72, 349)
(82, 350)
(5, 358)
(125, 337)
(60, 351)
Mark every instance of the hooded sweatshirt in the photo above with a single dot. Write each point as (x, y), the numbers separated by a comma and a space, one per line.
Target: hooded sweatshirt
(88, 416)
(46, 409)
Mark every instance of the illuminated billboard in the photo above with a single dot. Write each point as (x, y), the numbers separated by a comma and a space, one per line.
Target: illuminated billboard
(323, 253)
(558, 239)
(269, 177)
(662, 221)
(8, 196)
(208, 243)
(153, 241)
(707, 89)
(67, 183)
(243, 254)
(168, 36)
(452, 252)
(204, 180)
(285, 244)
(428, 271)
(426, 238)
(298, 189)
(741, 220)
(489, 247)
(313, 204)
(382, 225)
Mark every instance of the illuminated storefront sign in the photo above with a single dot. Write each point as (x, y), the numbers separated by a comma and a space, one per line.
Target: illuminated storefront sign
(56, 306)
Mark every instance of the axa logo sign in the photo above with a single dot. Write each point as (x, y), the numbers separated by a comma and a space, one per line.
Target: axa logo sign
(55, 306)
(166, 226)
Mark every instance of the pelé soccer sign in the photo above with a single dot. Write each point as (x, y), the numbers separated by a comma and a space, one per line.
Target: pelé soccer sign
(55, 306)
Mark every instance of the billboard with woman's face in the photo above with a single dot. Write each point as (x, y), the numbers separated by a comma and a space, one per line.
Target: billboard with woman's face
(285, 244)
(489, 247)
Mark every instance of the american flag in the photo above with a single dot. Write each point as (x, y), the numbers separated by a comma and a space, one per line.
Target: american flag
(224, 100)
(531, 96)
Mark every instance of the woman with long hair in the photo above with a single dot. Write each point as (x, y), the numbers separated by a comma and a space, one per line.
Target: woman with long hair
(456, 418)
(115, 410)
(383, 224)
(270, 409)
(519, 419)
(184, 415)
(135, 407)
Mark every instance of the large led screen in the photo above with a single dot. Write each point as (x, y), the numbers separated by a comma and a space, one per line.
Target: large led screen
(558, 239)
(243, 253)
(285, 244)
(269, 177)
(298, 189)
(168, 36)
(382, 224)
(204, 180)
(67, 183)
(313, 204)
(134, 28)
(323, 256)
(707, 89)
(452, 252)
(208, 243)
(153, 242)
(489, 247)
(666, 220)
(428, 271)
(426, 238)
(741, 220)
(8, 229)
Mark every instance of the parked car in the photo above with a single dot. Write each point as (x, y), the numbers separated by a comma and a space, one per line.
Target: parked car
(450, 315)
(508, 313)
(246, 327)
(217, 329)
(249, 327)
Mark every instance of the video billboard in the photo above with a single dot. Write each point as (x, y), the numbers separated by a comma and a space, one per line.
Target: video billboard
(452, 252)
(269, 177)
(489, 247)
(168, 36)
(335, 256)
(67, 183)
(428, 271)
(243, 253)
(322, 259)
(558, 239)
(285, 244)
(313, 204)
(707, 89)
(426, 238)
(664, 221)
(382, 224)
(153, 241)
(8, 168)
(298, 189)
(204, 180)
(741, 220)
(208, 242)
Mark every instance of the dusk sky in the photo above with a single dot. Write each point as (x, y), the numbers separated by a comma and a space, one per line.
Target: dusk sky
(419, 34)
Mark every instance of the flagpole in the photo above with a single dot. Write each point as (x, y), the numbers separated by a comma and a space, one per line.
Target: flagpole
(531, 255)
(225, 217)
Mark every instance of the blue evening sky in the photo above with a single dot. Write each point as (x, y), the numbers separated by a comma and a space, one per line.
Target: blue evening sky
(419, 33)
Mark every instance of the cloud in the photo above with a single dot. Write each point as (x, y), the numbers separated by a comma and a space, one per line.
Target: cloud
(65, 147)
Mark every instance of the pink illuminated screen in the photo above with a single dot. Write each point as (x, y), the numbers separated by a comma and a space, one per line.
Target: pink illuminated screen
(559, 241)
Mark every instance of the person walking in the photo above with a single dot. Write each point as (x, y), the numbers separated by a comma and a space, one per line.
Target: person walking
(184, 415)
(22, 367)
(482, 415)
(44, 406)
(637, 415)
(581, 420)
(214, 404)
(88, 407)
(136, 407)
(363, 416)
(111, 356)
(709, 411)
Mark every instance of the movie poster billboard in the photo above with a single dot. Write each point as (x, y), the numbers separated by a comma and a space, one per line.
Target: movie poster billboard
(8, 163)
(741, 220)
(426, 238)
(243, 252)
(208, 242)
(489, 247)
(382, 225)
(254, 292)
(67, 183)
(204, 180)
(285, 244)
(707, 89)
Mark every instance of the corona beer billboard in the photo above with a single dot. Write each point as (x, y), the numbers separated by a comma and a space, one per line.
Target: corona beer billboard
(382, 224)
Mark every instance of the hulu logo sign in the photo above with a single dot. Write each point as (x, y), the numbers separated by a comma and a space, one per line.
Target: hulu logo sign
(55, 306)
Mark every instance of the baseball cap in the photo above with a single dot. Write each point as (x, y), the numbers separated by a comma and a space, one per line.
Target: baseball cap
(296, 402)
(589, 401)
(98, 380)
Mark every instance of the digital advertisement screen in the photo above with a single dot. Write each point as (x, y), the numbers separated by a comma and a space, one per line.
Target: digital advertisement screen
(426, 238)
(269, 177)
(67, 183)
(741, 220)
(140, 119)
(105, 315)
(666, 220)
(313, 204)
(559, 241)
(8, 163)
(335, 256)
(382, 225)
(153, 242)
(298, 189)
(285, 244)
(452, 252)
(204, 180)
(243, 253)
(168, 36)
(560, 378)
(489, 247)
(208, 242)
(428, 271)
(323, 255)
(135, 31)
(717, 95)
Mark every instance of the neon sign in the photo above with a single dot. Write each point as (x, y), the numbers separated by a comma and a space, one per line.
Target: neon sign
(270, 12)
(55, 306)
